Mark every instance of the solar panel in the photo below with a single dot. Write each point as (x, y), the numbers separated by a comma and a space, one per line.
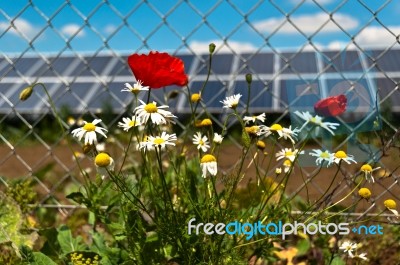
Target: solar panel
(61, 66)
(347, 61)
(214, 92)
(260, 95)
(298, 62)
(257, 63)
(387, 61)
(281, 80)
(221, 64)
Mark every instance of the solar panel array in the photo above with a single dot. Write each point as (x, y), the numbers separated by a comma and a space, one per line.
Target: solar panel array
(89, 83)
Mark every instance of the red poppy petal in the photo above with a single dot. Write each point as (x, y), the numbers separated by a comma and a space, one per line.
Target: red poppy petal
(158, 69)
(331, 106)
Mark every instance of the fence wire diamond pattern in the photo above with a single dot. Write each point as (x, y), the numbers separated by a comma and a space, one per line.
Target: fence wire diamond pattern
(89, 79)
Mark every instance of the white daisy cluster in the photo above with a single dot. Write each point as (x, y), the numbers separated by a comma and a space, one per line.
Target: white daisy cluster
(348, 248)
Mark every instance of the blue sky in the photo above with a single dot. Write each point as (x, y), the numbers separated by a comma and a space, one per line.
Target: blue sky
(133, 26)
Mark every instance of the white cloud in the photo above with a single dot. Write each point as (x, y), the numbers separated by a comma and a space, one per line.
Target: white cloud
(340, 45)
(21, 26)
(308, 23)
(374, 36)
(370, 37)
(72, 29)
(109, 29)
(235, 46)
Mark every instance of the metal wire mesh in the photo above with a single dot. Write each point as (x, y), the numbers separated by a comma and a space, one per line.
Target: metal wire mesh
(85, 68)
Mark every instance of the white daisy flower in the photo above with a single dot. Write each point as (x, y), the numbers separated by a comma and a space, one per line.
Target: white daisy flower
(158, 141)
(231, 102)
(317, 120)
(136, 88)
(286, 133)
(288, 153)
(201, 142)
(322, 157)
(208, 164)
(103, 163)
(248, 119)
(128, 123)
(157, 115)
(367, 169)
(217, 138)
(362, 256)
(348, 247)
(340, 155)
(89, 130)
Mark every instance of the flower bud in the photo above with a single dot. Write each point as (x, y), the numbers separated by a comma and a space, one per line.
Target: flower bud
(196, 97)
(211, 48)
(26, 93)
(173, 94)
(249, 78)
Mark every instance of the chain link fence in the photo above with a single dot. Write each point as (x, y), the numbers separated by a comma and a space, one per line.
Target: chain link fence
(87, 84)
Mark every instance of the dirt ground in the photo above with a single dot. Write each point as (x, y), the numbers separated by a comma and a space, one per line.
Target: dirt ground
(31, 161)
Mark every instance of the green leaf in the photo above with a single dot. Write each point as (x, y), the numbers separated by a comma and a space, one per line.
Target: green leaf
(151, 237)
(67, 243)
(42, 259)
(303, 246)
(246, 139)
(11, 219)
(78, 197)
(51, 247)
(338, 261)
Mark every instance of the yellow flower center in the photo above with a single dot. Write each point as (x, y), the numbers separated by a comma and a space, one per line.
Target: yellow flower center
(206, 122)
(195, 97)
(208, 158)
(287, 163)
(276, 127)
(252, 130)
(151, 108)
(340, 154)
(390, 204)
(288, 153)
(324, 155)
(102, 160)
(364, 193)
(366, 168)
(314, 120)
(159, 141)
(260, 145)
(201, 142)
(89, 127)
(131, 123)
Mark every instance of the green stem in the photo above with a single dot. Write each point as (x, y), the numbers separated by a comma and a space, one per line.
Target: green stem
(57, 116)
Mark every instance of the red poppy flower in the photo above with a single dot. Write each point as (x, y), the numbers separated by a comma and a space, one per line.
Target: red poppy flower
(331, 106)
(158, 69)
